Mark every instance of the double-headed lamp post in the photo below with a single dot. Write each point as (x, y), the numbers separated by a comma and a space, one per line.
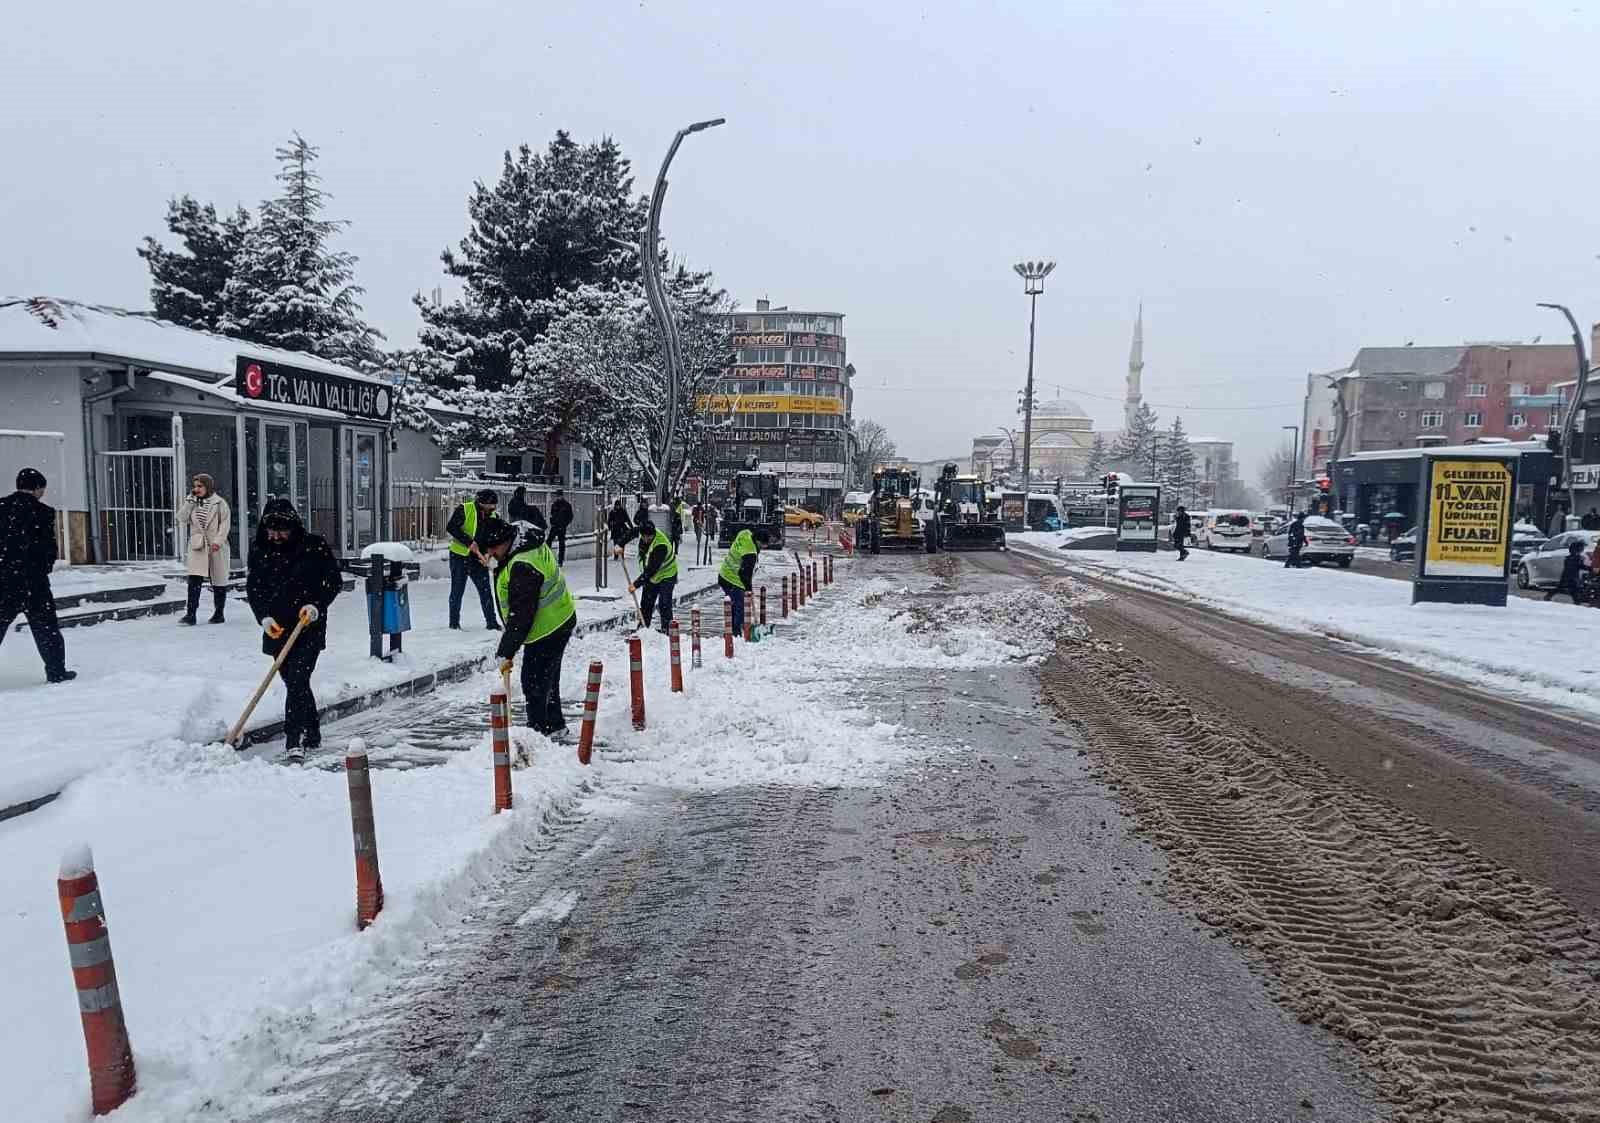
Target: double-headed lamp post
(1033, 274)
(655, 293)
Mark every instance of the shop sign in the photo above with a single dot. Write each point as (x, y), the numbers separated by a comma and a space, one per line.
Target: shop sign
(750, 371)
(1585, 476)
(263, 381)
(761, 339)
(812, 339)
(768, 403)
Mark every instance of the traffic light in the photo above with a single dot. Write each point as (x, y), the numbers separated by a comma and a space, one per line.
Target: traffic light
(1324, 486)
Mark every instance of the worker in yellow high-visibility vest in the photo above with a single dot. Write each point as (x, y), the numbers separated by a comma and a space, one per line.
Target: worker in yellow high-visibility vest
(738, 570)
(658, 574)
(540, 616)
(466, 557)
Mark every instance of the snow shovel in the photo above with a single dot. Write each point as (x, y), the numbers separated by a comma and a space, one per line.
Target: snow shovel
(283, 653)
(643, 623)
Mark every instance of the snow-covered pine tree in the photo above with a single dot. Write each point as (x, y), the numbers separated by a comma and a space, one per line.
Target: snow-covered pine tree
(554, 221)
(1177, 467)
(1131, 453)
(1095, 466)
(186, 285)
(288, 289)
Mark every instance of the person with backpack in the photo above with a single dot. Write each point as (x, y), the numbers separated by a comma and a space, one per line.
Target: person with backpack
(540, 616)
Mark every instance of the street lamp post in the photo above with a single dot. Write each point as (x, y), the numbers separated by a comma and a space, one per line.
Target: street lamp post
(1033, 274)
(1294, 466)
(1567, 423)
(655, 293)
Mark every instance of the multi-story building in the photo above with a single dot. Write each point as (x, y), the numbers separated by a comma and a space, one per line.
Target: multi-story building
(1215, 471)
(990, 454)
(785, 402)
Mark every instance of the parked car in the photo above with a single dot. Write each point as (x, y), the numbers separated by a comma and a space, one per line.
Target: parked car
(1226, 530)
(1541, 568)
(799, 516)
(1326, 540)
(1404, 548)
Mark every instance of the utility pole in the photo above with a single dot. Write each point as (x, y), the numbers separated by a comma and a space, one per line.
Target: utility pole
(1568, 423)
(1294, 467)
(1033, 274)
(655, 293)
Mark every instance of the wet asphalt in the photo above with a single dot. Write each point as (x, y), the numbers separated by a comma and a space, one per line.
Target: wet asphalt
(981, 939)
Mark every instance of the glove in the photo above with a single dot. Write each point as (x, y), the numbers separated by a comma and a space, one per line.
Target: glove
(310, 613)
(273, 629)
(630, 586)
(505, 667)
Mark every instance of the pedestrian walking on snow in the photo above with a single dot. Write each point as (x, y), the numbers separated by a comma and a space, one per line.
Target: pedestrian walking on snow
(658, 575)
(1571, 574)
(27, 555)
(205, 517)
(737, 575)
(1297, 540)
(519, 510)
(620, 527)
(560, 520)
(540, 617)
(1181, 532)
(641, 512)
(466, 558)
(293, 576)
(675, 527)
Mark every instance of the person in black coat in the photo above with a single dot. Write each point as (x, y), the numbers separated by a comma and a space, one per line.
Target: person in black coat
(521, 511)
(1297, 540)
(560, 520)
(1181, 532)
(1571, 575)
(641, 512)
(27, 555)
(293, 576)
(620, 526)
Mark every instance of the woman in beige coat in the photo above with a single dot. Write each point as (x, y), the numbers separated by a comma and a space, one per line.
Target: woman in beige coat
(204, 519)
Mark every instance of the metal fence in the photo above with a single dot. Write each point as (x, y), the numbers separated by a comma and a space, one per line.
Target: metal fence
(139, 504)
(419, 509)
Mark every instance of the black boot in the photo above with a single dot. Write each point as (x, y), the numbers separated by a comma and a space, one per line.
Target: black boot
(194, 601)
(219, 597)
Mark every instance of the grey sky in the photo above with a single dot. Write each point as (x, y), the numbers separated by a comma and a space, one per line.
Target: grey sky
(1280, 185)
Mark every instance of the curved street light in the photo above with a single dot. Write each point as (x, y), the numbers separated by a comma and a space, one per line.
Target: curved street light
(1033, 274)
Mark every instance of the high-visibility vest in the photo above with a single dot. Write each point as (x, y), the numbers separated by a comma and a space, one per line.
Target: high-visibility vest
(669, 567)
(469, 526)
(744, 544)
(556, 605)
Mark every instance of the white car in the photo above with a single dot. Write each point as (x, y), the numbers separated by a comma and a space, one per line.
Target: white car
(1326, 540)
(1226, 530)
(1541, 568)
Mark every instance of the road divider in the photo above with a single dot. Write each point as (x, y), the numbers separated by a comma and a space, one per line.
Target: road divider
(500, 736)
(591, 709)
(636, 678)
(677, 659)
(369, 882)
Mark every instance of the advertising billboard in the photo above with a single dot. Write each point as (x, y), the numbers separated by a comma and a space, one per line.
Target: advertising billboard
(1137, 507)
(1464, 543)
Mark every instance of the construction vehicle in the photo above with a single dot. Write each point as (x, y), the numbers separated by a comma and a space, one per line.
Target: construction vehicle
(964, 515)
(752, 501)
(891, 521)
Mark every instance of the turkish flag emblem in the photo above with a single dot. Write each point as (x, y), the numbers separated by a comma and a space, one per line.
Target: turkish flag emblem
(254, 383)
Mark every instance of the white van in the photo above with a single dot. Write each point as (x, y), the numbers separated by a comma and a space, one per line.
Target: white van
(1226, 530)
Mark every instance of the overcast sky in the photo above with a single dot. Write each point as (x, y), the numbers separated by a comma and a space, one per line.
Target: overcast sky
(1278, 184)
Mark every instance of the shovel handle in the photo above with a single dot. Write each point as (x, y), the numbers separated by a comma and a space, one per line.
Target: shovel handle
(283, 653)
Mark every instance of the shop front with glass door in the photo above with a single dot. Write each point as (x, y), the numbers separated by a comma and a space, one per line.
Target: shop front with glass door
(274, 466)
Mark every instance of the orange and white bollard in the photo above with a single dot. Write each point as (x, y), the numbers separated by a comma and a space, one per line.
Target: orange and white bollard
(813, 578)
(727, 628)
(749, 615)
(369, 882)
(591, 707)
(677, 658)
(801, 577)
(761, 599)
(500, 738)
(783, 596)
(105, 1034)
(636, 679)
(694, 638)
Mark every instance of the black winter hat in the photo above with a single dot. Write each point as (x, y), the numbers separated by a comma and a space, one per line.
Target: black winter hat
(487, 495)
(279, 514)
(30, 479)
(495, 532)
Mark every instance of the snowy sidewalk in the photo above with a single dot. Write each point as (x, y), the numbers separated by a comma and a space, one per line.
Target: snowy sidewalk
(1539, 652)
(144, 681)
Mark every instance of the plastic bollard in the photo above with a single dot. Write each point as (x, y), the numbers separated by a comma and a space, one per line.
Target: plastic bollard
(727, 628)
(591, 707)
(369, 882)
(749, 615)
(761, 600)
(677, 658)
(813, 578)
(105, 1033)
(783, 596)
(636, 679)
(500, 737)
(694, 638)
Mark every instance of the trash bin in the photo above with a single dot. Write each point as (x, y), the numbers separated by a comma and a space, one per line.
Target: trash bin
(388, 604)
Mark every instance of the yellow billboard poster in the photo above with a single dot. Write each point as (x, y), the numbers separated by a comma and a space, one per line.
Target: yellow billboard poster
(768, 403)
(1469, 518)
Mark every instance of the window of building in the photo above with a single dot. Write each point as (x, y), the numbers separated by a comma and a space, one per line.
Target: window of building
(1477, 390)
(1474, 420)
(1434, 390)
(1432, 419)
(1519, 421)
(761, 355)
(1518, 389)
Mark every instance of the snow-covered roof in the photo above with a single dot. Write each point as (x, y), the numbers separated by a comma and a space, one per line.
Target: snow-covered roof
(43, 327)
(1061, 407)
(1421, 362)
(1509, 448)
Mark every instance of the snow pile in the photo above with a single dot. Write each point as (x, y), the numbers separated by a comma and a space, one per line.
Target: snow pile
(1528, 648)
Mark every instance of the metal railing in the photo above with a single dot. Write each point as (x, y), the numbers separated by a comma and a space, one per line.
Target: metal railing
(419, 509)
(139, 504)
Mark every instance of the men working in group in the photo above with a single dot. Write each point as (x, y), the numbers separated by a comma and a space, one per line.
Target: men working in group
(466, 558)
(658, 574)
(738, 570)
(27, 554)
(540, 617)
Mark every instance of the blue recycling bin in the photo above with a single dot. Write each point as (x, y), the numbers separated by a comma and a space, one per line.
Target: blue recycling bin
(396, 609)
